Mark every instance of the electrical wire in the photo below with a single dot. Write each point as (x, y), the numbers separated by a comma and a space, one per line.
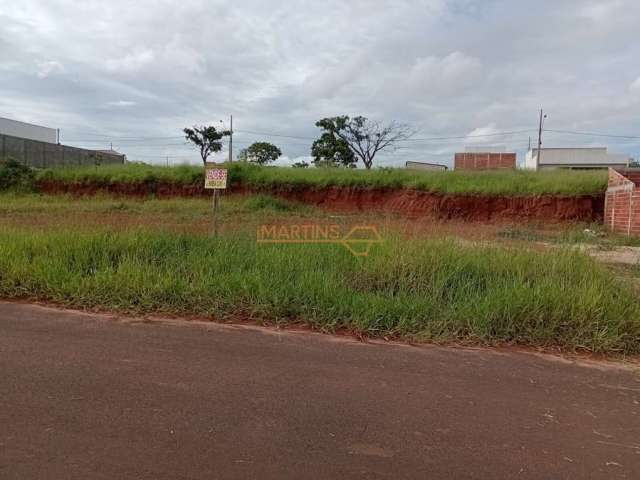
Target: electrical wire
(592, 134)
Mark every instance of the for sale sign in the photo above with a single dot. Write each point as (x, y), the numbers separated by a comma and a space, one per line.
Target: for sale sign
(215, 177)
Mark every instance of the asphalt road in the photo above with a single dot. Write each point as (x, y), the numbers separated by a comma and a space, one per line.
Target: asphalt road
(92, 397)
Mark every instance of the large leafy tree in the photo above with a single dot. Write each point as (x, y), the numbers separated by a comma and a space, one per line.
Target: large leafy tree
(206, 138)
(260, 153)
(331, 151)
(364, 137)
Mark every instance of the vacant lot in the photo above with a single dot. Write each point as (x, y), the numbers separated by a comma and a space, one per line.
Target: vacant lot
(474, 283)
(507, 183)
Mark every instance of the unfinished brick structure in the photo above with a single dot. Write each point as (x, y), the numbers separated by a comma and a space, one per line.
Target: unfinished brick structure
(484, 161)
(622, 203)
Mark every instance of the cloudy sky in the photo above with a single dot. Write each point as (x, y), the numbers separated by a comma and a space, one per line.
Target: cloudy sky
(134, 73)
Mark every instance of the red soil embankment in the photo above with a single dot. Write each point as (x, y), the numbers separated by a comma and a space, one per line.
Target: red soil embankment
(407, 202)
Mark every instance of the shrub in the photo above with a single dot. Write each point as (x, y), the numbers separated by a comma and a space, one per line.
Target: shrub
(15, 176)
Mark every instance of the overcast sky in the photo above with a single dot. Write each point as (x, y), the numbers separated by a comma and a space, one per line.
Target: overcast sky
(135, 72)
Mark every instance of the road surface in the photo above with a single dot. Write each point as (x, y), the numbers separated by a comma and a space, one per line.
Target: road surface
(98, 397)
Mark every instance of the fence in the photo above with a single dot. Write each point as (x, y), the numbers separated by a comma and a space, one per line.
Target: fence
(47, 155)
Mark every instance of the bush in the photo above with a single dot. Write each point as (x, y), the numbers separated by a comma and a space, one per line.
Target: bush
(15, 176)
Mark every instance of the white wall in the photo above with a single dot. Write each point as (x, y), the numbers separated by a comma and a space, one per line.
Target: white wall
(575, 157)
(27, 130)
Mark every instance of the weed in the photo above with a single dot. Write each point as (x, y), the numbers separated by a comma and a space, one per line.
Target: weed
(505, 183)
(437, 290)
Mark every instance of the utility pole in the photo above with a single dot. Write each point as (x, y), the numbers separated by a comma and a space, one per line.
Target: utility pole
(539, 152)
(231, 140)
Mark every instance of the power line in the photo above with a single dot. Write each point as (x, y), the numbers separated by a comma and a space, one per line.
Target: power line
(118, 139)
(297, 137)
(593, 134)
(274, 135)
(132, 138)
(459, 137)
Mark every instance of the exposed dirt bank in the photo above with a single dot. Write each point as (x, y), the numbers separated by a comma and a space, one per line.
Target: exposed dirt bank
(411, 203)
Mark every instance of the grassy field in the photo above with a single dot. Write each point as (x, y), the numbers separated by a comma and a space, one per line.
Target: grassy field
(435, 290)
(180, 215)
(508, 183)
(483, 284)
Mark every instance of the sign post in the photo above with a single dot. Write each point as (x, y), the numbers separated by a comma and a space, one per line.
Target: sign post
(215, 178)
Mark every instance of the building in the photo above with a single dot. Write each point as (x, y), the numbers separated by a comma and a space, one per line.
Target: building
(575, 158)
(484, 161)
(38, 147)
(432, 167)
(622, 201)
(27, 130)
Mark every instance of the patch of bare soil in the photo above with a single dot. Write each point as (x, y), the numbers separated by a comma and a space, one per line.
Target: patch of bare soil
(617, 255)
(406, 202)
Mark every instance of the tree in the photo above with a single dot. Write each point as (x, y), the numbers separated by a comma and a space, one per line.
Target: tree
(331, 151)
(365, 137)
(261, 153)
(301, 164)
(207, 139)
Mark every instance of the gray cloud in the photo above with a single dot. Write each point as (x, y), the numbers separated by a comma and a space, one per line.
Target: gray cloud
(101, 71)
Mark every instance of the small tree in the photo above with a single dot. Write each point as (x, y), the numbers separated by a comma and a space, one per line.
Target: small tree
(207, 139)
(365, 137)
(331, 151)
(262, 153)
(301, 164)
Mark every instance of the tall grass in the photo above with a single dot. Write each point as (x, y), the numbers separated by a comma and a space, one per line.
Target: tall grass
(436, 290)
(510, 183)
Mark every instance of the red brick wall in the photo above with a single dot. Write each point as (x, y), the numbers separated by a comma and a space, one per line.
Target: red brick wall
(622, 203)
(484, 161)
(635, 213)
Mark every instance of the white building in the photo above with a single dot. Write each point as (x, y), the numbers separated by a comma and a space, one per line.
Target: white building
(575, 158)
(28, 131)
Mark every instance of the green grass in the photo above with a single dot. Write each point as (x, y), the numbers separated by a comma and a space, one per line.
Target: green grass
(185, 215)
(430, 290)
(20, 203)
(508, 183)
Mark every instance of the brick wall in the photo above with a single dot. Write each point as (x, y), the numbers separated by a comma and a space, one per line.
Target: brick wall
(622, 202)
(484, 161)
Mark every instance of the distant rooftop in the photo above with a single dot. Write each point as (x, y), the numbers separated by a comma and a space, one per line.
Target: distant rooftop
(110, 152)
(570, 148)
